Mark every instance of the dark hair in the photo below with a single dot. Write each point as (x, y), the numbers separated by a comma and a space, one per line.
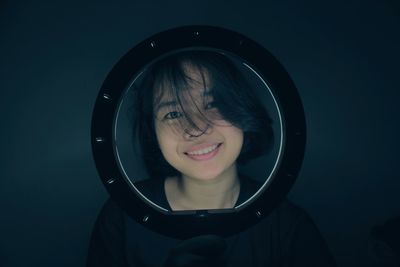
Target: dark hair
(232, 95)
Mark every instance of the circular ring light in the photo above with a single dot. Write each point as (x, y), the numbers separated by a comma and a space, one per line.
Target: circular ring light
(198, 222)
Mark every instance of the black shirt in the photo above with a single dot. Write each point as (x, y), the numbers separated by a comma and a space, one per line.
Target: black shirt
(286, 237)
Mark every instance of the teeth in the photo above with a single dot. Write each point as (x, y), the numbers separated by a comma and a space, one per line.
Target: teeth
(203, 151)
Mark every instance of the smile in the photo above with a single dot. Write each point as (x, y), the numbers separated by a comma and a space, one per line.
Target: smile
(204, 153)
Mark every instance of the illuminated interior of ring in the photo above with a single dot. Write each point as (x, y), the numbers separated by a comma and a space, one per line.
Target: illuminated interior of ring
(269, 176)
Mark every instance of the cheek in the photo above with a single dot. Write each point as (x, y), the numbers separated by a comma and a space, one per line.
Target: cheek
(236, 135)
(166, 141)
(237, 138)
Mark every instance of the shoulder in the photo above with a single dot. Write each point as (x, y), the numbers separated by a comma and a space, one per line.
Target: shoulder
(290, 213)
(291, 236)
(284, 216)
(290, 218)
(108, 237)
(283, 219)
(110, 218)
(300, 237)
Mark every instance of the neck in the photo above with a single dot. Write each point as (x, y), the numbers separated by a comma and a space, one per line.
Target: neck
(187, 193)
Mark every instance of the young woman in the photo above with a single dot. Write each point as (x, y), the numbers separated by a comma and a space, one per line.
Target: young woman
(197, 119)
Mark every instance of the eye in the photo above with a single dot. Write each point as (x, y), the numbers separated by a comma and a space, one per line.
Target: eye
(172, 115)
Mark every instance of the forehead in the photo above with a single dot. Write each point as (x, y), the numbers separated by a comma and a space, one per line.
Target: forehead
(178, 86)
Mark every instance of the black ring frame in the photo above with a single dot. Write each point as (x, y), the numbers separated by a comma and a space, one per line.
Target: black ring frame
(198, 222)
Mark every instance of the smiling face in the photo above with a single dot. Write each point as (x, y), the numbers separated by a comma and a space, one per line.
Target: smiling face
(192, 135)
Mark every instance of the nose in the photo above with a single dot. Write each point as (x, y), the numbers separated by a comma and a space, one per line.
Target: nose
(195, 132)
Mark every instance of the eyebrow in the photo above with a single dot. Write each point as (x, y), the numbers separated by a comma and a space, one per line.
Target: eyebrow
(164, 104)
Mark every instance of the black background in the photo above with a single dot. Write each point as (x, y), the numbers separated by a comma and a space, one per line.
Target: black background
(54, 55)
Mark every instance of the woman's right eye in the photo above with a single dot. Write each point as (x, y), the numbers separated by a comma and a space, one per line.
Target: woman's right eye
(172, 115)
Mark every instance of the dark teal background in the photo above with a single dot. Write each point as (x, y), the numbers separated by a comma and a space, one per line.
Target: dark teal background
(343, 56)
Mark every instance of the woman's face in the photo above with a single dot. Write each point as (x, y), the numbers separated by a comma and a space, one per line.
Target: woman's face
(205, 152)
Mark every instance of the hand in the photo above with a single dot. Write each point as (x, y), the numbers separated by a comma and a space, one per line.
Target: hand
(207, 250)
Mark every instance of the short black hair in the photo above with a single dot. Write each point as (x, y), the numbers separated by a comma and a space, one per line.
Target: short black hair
(234, 98)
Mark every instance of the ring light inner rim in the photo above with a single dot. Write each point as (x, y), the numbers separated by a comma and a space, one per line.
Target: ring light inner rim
(242, 205)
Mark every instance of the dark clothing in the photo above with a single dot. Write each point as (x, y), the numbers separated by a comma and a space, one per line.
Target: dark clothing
(286, 237)
(153, 189)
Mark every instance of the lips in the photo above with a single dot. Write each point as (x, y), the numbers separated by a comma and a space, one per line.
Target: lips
(203, 152)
